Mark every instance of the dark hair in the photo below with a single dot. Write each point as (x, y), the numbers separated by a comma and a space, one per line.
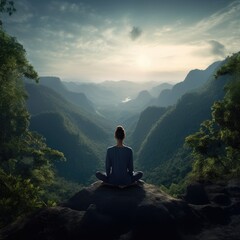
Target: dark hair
(120, 133)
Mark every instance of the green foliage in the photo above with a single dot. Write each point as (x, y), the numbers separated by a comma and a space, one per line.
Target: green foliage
(61, 190)
(26, 162)
(14, 118)
(231, 67)
(146, 121)
(168, 133)
(172, 171)
(175, 189)
(13, 61)
(82, 159)
(18, 196)
(216, 146)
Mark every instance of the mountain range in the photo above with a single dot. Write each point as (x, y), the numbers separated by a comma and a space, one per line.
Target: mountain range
(163, 142)
(194, 79)
(76, 121)
(77, 98)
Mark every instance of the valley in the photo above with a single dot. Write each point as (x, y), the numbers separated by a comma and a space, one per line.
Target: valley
(79, 119)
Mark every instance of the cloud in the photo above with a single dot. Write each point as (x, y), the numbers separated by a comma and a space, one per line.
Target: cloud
(210, 27)
(217, 48)
(71, 38)
(135, 33)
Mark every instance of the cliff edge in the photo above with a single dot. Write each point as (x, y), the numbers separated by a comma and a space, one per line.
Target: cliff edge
(137, 212)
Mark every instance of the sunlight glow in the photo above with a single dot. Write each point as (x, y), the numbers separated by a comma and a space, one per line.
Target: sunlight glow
(143, 62)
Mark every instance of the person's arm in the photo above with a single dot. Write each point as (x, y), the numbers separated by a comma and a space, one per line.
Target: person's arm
(108, 164)
(130, 164)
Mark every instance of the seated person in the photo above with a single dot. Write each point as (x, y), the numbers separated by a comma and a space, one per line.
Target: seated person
(119, 163)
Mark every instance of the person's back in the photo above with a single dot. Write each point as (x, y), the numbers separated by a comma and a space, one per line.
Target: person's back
(119, 163)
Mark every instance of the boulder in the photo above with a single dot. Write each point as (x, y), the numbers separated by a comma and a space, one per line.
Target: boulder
(138, 212)
(196, 194)
(221, 199)
(103, 212)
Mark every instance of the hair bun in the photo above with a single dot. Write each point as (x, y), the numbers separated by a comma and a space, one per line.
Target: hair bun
(120, 132)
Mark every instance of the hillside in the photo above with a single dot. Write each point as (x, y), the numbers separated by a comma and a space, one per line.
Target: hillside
(155, 91)
(195, 79)
(43, 99)
(82, 159)
(68, 130)
(77, 98)
(145, 123)
(169, 132)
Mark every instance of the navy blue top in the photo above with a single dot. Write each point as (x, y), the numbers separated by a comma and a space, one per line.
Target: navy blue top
(119, 165)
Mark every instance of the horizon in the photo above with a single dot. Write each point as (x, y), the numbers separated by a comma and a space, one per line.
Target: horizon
(136, 41)
(72, 80)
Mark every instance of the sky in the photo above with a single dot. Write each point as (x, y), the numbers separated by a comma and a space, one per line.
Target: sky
(136, 40)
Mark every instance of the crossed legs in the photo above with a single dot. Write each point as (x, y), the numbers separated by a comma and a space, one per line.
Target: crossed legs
(103, 176)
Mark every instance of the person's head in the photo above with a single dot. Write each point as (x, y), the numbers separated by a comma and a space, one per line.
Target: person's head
(120, 133)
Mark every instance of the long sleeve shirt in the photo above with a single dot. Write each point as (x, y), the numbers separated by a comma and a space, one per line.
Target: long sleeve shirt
(119, 165)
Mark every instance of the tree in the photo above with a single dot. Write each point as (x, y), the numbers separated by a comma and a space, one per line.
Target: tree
(25, 160)
(14, 119)
(216, 146)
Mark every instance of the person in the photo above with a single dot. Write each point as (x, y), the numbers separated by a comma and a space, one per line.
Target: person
(119, 163)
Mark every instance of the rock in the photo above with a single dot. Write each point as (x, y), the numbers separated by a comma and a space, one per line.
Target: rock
(221, 199)
(103, 212)
(211, 188)
(233, 189)
(229, 232)
(154, 221)
(215, 214)
(136, 213)
(50, 223)
(196, 194)
(234, 209)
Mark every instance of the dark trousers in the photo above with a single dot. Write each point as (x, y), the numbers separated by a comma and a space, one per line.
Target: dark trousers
(103, 176)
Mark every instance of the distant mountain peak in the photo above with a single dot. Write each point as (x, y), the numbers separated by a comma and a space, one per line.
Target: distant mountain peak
(194, 79)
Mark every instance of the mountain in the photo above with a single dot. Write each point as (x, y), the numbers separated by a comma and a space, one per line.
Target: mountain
(155, 91)
(120, 101)
(82, 138)
(79, 99)
(145, 123)
(126, 89)
(168, 133)
(110, 93)
(98, 94)
(43, 99)
(82, 161)
(209, 211)
(195, 79)
(127, 113)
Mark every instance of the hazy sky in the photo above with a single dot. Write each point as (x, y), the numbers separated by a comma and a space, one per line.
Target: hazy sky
(134, 40)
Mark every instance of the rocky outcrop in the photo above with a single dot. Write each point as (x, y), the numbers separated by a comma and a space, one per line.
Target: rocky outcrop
(218, 206)
(102, 212)
(140, 212)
